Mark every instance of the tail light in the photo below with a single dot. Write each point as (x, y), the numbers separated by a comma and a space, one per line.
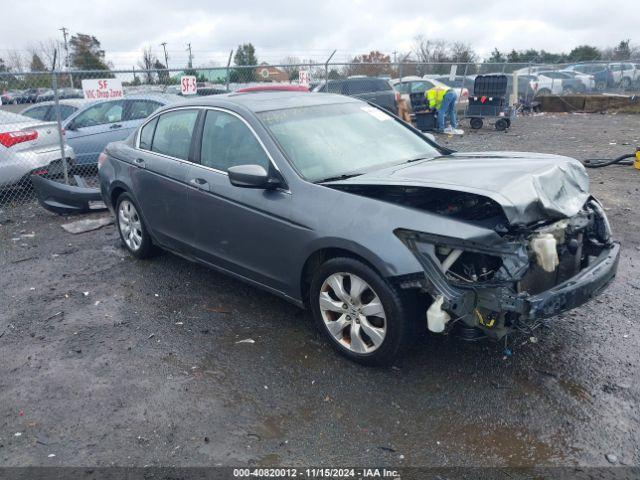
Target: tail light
(9, 139)
(101, 158)
(398, 98)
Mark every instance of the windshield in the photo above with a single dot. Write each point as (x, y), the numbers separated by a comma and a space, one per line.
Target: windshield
(327, 141)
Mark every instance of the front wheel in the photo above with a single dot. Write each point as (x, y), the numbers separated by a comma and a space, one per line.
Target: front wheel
(131, 227)
(363, 316)
(476, 123)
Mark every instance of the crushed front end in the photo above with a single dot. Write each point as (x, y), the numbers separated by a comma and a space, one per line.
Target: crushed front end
(535, 272)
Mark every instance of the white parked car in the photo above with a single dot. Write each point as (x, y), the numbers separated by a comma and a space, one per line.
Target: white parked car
(28, 145)
(543, 85)
(624, 74)
(533, 69)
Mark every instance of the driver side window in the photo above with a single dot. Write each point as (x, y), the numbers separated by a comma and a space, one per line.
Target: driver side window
(107, 112)
(228, 142)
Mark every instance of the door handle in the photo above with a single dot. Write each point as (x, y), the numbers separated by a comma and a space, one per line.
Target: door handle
(200, 183)
(115, 125)
(140, 163)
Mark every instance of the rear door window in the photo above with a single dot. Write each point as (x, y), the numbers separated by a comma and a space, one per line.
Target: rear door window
(357, 87)
(173, 133)
(381, 86)
(38, 113)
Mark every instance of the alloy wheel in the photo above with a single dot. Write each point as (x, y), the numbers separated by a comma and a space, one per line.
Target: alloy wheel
(130, 225)
(352, 313)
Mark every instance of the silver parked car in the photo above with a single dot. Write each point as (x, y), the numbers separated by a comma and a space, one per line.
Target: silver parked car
(28, 145)
(91, 128)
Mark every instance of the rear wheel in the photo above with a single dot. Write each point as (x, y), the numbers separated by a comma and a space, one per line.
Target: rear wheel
(362, 315)
(501, 125)
(476, 123)
(131, 227)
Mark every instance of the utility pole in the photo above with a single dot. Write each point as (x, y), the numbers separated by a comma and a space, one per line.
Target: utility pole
(190, 56)
(64, 31)
(166, 57)
(395, 52)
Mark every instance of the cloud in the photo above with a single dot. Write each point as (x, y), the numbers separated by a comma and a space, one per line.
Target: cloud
(314, 29)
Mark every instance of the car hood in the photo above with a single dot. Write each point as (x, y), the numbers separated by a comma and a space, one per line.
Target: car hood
(529, 187)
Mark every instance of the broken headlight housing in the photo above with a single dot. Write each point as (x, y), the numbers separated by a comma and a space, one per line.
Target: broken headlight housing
(465, 263)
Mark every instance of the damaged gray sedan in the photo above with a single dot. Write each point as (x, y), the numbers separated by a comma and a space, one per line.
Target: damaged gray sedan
(336, 205)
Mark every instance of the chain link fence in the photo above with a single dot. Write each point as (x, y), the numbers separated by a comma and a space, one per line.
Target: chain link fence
(49, 128)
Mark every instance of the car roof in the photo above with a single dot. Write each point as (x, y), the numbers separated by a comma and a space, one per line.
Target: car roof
(74, 102)
(267, 101)
(164, 98)
(274, 88)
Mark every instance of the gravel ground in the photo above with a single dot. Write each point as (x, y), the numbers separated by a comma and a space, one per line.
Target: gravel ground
(107, 360)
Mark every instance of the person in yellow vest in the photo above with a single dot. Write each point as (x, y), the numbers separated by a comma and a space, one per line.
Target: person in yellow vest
(443, 99)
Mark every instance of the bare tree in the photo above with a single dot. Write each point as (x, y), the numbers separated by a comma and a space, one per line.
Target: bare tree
(46, 50)
(463, 53)
(15, 61)
(291, 65)
(147, 64)
(430, 51)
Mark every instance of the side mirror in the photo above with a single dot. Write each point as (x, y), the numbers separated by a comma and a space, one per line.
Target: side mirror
(251, 176)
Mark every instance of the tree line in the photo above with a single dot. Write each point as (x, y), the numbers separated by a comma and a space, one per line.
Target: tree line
(85, 52)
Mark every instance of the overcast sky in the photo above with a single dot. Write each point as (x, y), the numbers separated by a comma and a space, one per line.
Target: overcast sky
(312, 29)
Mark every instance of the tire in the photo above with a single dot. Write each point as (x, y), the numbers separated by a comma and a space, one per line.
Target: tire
(543, 92)
(476, 123)
(501, 125)
(382, 333)
(131, 227)
(600, 86)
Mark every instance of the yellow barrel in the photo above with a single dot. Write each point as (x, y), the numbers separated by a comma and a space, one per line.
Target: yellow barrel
(636, 162)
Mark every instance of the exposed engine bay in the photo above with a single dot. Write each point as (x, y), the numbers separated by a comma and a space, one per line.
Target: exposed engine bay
(498, 288)
(460, 205)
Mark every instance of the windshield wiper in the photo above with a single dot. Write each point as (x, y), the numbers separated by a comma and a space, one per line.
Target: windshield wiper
(416, 159)
(344, 176)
